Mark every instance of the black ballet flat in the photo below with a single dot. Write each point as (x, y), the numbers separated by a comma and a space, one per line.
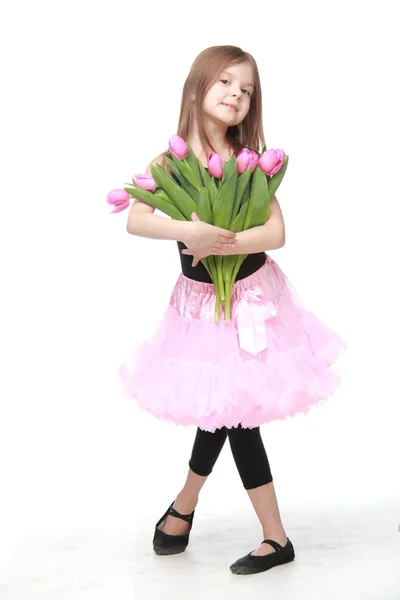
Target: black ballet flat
(249, 564)
(164, 543)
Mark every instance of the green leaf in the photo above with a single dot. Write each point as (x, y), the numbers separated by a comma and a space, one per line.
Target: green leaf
(259, 199)
(188, 187)
(275, 180)
(223, 204)
(246, 195)
(193, 164)
(162, 204)
(183, 202)
(205, 175)
(229, 262)
(238, 222)
(242, 184)
(175, 170)
(204, 206)
(229, 167)
(209, 183)
(186, 171)
(160, 193)
(213, 191)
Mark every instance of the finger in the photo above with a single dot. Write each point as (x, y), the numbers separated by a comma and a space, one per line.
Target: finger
(227, 240)
(228, 234)
(195, 216)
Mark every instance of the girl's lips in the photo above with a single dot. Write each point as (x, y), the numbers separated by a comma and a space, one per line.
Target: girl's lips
(229, 106)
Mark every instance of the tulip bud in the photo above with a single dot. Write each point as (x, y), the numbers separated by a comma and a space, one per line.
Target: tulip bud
(271, 161)
(178, 146)
(146, 182)
(215, 165)
(245, 159)
(253, 161)
(120, 199)
(242, 160)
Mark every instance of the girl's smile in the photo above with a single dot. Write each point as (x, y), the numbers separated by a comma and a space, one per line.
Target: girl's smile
(230, 107)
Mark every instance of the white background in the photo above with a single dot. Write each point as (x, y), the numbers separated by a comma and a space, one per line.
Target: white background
(91, 93)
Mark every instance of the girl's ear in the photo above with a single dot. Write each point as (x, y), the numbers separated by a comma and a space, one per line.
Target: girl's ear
(192, 97)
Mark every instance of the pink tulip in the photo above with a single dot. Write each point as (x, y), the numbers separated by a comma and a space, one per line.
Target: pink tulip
(146, 182)
(245, 159)
(215, 165)
(271, 161)
(120, 199)
(178, 146)
(253, 161)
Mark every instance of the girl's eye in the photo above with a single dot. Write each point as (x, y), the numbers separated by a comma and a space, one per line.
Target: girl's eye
(247, 91)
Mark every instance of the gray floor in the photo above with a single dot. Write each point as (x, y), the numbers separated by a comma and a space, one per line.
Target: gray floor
(341, 552)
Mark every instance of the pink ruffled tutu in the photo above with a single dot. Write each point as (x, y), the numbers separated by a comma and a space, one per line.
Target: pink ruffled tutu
(271, 361)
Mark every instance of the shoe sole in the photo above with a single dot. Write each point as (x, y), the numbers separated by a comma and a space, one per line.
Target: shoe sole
(238, 570)
(166, 551)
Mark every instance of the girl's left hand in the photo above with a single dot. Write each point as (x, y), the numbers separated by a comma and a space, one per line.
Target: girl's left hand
(196, 259)
(206, 240)
(217, 251)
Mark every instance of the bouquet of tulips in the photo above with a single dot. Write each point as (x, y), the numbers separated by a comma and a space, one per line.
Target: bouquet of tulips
(234, 196)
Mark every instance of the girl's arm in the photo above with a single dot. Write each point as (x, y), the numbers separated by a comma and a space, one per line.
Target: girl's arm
(143, 222)
(269, 236)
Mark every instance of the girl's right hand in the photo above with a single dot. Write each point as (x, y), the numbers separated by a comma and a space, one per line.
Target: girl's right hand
(203, 239)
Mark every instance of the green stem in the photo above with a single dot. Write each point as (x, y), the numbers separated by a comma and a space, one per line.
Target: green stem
(220, 278)
(208, 267)
(234, 272)
(217, 307)
(228, 291)
(214, 277)
(211, 267)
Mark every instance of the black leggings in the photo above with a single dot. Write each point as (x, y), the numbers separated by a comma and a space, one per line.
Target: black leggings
(247, 449)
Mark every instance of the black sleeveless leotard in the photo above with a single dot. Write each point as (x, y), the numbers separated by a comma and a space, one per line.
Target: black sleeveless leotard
(250, 265)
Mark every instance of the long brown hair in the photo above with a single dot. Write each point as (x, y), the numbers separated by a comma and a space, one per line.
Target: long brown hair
(203, 73)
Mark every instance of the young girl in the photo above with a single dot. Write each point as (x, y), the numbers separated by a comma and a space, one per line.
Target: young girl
(228, 378)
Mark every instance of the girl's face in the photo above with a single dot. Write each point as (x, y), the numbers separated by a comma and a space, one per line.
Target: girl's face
(234, 86)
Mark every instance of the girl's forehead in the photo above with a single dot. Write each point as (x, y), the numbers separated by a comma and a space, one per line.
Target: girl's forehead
(242, 70)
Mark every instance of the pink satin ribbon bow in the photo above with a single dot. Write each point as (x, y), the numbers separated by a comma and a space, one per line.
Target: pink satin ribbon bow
(251, 311)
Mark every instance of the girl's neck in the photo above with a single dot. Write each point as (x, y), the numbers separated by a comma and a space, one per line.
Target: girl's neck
(219, 141)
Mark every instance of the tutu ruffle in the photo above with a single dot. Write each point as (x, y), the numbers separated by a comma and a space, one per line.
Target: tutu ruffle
(197, 372)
